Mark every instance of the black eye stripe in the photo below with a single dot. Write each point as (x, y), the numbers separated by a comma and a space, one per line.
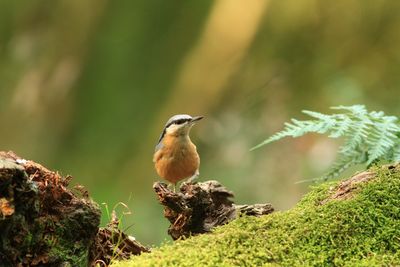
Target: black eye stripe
(180, 121)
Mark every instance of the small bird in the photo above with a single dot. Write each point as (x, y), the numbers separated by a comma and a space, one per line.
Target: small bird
(175, 156)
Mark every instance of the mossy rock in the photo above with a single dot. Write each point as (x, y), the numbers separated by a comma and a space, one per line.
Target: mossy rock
(355, 222)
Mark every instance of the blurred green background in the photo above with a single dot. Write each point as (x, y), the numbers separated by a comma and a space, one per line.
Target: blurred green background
(86, 87)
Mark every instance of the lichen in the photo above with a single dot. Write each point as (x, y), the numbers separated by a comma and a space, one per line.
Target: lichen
(362, 230)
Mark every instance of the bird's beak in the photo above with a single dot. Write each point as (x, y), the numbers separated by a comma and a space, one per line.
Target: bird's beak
(197, 118)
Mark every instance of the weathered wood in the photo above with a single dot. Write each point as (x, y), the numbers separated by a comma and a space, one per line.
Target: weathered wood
(42, 222)
(111, 243)
(45, 223)
(199, 207)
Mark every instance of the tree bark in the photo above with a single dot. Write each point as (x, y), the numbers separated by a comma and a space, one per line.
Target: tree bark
(45, 223)
(199, 207)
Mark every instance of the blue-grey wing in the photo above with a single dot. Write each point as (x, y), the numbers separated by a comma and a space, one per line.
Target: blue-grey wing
(160, 144)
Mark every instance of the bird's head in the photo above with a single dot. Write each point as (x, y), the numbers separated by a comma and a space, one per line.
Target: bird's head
(178, 125)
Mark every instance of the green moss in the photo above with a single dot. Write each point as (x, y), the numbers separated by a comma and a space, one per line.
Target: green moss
(62, 250)
(73, 251)
(361, 231)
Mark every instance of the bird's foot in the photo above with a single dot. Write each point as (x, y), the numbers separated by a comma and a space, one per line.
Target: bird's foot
(193, 178)
(172, 187)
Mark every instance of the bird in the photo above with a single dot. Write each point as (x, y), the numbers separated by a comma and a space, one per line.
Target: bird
(175, 157)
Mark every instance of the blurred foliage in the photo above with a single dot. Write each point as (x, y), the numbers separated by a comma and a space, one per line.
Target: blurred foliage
(86, 87)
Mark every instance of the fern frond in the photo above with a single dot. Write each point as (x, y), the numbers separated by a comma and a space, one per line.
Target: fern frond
(381, 140)
(317, 115)
(396, 153)
(355, 109)
(355, 137)
(341, 129)
(368, 136)
(295, 129)
(343, 162)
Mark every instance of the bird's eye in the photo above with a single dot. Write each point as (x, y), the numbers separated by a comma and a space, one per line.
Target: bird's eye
(180, 121)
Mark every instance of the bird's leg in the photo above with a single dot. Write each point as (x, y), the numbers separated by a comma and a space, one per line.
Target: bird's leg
(194, 177)
(171, 186)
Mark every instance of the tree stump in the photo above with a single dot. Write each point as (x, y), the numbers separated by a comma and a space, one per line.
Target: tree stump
(44, 223)
(199, 207)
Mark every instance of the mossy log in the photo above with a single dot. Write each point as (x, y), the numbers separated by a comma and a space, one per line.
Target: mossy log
(45, 223)
(199, 207)
(354, 222)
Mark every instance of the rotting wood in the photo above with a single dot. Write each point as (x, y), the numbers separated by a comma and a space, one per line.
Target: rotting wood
(199, 207)
(43, 222)
(346, 189)
(113, 244)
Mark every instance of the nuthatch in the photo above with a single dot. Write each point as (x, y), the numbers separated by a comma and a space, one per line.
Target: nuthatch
(175, 155)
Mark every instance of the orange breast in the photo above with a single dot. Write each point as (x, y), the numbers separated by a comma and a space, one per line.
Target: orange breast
(177, 159)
